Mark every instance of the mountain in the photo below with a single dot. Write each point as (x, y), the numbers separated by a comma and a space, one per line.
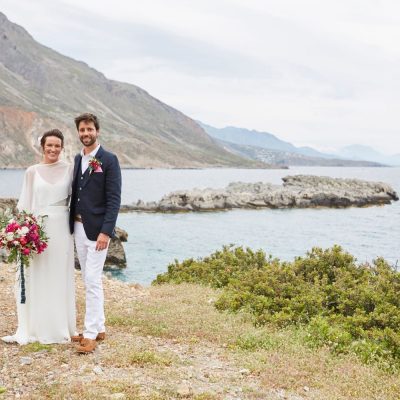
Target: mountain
(41, 89)
(361, 152)
(265, 140)
(286, 158)
(266, 147)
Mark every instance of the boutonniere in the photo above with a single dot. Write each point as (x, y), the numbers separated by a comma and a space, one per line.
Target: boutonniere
(94, 165)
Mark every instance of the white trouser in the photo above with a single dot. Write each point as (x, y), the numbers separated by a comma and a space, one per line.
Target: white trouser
(92, 263)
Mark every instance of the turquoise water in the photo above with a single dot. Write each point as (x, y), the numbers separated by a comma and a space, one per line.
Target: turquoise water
(155, 240)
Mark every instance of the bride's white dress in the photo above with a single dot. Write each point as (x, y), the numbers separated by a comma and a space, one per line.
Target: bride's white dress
(48, 316)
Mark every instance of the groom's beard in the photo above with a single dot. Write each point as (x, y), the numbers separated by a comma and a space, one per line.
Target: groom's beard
(87, 143)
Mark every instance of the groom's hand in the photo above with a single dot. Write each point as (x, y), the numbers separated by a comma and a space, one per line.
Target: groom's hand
(102, 241)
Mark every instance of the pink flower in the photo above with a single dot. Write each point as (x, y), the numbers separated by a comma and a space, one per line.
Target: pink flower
(42, 247)
(33, 237)
(26, 251)
(23, 241)
(34, 228)
(12, 227)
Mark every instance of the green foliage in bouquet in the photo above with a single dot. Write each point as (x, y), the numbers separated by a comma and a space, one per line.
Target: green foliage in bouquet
(349, 307)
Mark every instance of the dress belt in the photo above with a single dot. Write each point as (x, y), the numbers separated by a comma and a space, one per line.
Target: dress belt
(78, 218)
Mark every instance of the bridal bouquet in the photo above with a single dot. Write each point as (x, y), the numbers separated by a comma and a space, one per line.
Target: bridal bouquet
(22, 236)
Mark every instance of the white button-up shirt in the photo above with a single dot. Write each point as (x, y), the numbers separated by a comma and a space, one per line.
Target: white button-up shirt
(86, 158)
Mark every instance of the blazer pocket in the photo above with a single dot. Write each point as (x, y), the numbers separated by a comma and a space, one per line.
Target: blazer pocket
(98, 210)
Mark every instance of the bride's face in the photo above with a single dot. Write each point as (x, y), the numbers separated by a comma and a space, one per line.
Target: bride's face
(52, 149)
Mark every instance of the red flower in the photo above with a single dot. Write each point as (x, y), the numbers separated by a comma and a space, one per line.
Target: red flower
(12, 227)
(42, 247)
(33, 237)
(95, 165)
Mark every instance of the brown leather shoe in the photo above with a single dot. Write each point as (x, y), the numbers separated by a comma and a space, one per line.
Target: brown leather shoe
(86, 346)
(77, 338)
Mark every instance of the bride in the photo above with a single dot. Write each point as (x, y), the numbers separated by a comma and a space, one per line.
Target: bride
(48, 316)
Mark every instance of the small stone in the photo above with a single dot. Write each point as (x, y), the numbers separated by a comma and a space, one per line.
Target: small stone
(26, 360)
(41, 353)
(244, 371)
(184, 390)
(97, 370)
(281, 394)
(82, 368)
(306, 388)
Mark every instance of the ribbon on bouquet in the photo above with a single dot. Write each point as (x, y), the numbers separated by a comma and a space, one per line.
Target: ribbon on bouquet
(22, 276)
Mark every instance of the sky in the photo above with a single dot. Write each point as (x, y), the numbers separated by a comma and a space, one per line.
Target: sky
(319, 73)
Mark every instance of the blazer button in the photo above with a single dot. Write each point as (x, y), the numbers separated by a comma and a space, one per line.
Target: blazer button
(81, 177)
(80, 188)
(79, 199)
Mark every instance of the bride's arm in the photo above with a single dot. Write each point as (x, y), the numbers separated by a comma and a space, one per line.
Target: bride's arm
(25, 201)
(70, 176)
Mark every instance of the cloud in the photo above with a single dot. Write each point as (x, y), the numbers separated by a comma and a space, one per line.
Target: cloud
(310, 72)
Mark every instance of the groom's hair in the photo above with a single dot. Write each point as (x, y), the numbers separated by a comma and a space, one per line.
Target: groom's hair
(87, 117)
(53, 132)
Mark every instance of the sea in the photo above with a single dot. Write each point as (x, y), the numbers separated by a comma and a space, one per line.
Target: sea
(155, 240)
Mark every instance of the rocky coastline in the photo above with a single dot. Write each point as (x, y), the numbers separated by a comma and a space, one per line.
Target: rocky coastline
(299, 191)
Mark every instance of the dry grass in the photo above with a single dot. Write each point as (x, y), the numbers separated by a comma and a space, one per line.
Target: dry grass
(278, 358)
(82, 391)
(169, 342)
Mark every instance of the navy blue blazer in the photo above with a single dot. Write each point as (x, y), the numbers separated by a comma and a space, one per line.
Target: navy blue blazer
(98, 195)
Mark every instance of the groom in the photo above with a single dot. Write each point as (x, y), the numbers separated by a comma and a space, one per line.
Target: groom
(95, 202)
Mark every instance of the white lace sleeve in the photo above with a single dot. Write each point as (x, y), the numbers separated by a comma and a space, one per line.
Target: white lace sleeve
(25, 201)
(70, 177)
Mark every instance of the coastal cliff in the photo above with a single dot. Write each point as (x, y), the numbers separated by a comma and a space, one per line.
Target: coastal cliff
(41, 89)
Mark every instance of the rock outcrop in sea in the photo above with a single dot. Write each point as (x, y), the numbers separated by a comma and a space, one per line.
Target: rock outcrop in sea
(298, 191)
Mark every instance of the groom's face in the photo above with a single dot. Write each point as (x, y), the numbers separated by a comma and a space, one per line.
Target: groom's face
(87, 133)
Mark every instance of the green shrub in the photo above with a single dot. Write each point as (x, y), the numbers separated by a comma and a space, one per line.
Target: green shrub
(217, 270)
(346, 306)
(255, 341)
